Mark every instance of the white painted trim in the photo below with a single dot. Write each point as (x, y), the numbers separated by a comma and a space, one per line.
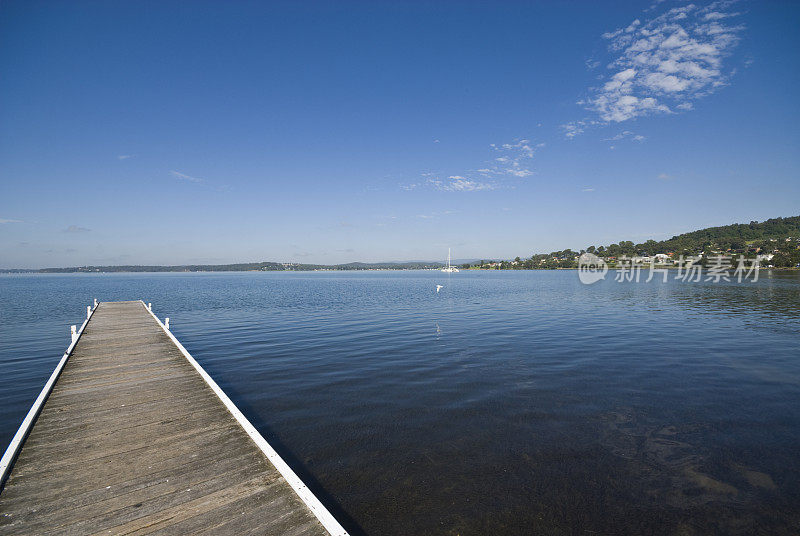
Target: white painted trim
(25, 428)
(316, 507)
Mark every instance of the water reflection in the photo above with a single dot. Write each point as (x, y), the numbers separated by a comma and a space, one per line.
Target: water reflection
(550, 407)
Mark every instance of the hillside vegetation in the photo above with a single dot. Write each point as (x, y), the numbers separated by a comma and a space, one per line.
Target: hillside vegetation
(777, 236)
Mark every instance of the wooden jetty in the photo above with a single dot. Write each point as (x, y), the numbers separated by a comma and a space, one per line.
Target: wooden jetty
(131, 436)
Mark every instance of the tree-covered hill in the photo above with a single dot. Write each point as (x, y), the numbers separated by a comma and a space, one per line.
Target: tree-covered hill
(737, 236)
(777, 236)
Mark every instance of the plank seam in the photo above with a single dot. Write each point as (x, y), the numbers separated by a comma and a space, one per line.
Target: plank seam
(311, 501)
(24, 429)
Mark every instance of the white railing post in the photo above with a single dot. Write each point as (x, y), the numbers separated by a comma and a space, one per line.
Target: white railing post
(149, 306)
(74, 332)
(95, 302)
(166, 323)
(88, 311)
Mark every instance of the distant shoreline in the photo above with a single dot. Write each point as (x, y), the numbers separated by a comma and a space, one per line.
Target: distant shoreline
(64, 271)
(780, 237)
(238, 267)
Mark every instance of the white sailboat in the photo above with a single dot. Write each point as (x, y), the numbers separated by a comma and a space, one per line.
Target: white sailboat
(449, 268)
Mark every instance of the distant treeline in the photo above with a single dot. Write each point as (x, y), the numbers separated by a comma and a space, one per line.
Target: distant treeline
(239, 267)
(779, 237)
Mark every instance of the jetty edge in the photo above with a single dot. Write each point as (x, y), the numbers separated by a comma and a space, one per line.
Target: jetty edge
(131, 353)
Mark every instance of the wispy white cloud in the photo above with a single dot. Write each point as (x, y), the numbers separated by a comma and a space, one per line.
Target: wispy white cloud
(654, 5)
(576, 128)
(457, 183)
(718, 15)
(662, 64)
(76, 229)
(434, 215)
(626, 134)
(513, 160)
(509, 161)
(664, 177)
(463, 184)
(587, 190)
(124, 156)
(592, 64)
(6, 220)
(184, 177)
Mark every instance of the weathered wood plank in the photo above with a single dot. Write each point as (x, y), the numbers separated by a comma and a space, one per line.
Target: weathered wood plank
(132, 440)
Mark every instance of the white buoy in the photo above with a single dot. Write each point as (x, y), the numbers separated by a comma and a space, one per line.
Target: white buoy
(439, 287)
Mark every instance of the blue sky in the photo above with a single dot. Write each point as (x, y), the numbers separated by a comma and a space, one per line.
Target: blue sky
(193, 132)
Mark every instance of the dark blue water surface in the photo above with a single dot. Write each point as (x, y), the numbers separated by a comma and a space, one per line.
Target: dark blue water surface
(507, 403)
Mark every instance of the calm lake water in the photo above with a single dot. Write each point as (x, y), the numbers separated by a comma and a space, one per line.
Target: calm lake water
(508, 403)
